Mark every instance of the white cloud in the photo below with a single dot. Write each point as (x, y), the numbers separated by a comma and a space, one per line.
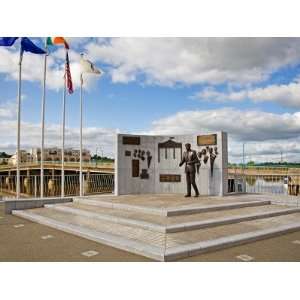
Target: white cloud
(242, 125)
(284, 94)
(164, 61)
(31, 137)
(167, 61)
(267, 151)
(7, 110)
(267, 134)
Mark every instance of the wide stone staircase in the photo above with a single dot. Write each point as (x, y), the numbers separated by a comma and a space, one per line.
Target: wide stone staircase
(169, 227)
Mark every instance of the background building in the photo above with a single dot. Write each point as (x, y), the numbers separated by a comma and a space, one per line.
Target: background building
(25, 157)
(4, 160)
(52, 155)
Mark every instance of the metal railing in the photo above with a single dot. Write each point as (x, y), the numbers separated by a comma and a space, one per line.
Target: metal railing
(267, 184)
(91, 164)
(30, 185)
(104, 183)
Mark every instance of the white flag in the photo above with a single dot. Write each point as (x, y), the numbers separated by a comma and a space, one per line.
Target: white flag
(88, 67)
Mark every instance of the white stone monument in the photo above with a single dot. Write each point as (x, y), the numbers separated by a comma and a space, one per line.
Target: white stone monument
(147, 164)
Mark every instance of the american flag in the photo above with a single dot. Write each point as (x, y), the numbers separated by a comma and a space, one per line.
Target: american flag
(68, 74)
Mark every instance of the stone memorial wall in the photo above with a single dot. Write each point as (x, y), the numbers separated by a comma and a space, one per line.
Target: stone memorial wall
(150, 164)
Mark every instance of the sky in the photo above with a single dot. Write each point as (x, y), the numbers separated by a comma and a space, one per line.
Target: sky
(248, 87)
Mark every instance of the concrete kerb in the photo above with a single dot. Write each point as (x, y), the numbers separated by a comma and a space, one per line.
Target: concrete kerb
(21, 204)
(287, 200)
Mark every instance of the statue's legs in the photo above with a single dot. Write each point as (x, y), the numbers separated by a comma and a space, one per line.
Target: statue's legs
(190, 181)
(193, 181)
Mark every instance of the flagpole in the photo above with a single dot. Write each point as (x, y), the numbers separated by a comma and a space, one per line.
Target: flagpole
(80, 167)
(19, 123)
(63, 140)
(43, 123)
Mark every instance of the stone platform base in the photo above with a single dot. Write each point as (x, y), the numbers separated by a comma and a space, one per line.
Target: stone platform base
(169, 227)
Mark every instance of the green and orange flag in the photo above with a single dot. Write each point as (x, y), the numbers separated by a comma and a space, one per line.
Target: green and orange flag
(51, 41)
(56, 41)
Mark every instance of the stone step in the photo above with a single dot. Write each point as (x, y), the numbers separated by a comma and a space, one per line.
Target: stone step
(174, 224)
(197, 248)
(108, 239)
(102, 234)
(171, 211)
(188, 226)
(164, 246)
(112, 215)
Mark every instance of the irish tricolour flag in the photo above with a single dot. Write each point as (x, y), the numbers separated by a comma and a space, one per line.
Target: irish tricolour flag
(57, 41)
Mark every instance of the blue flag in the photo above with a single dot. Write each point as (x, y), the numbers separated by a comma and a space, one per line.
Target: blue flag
(7, 41)
(29, 46)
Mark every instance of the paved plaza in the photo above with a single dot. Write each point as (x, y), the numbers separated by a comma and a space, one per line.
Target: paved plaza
(154, 226)
(28, 243)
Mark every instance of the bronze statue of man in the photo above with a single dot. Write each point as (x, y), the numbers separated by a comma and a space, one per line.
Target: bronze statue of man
(190, 159)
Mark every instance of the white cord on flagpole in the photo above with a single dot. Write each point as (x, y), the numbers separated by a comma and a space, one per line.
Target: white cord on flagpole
(63, 140)
(80, 167)
(19, 123)
(43, 123)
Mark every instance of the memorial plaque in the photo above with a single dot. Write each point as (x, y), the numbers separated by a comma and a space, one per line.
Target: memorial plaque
(127, 153)
(207, 140)
(135, 168)
(169, 178)
(131, 140)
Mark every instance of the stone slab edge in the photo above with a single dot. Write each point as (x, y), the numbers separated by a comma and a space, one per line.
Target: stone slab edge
(200, 209)
(183, 210)
(10, 205)
(228, 220)
(129, 207)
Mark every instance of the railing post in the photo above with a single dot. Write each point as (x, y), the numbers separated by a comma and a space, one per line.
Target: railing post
(35, 187)
(83, 184)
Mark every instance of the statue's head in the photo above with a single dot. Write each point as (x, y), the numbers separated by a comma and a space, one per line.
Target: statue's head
(188, 146)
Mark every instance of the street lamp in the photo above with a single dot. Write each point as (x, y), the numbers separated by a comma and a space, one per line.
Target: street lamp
(244, 159)
(97, 154)
(243, 155)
